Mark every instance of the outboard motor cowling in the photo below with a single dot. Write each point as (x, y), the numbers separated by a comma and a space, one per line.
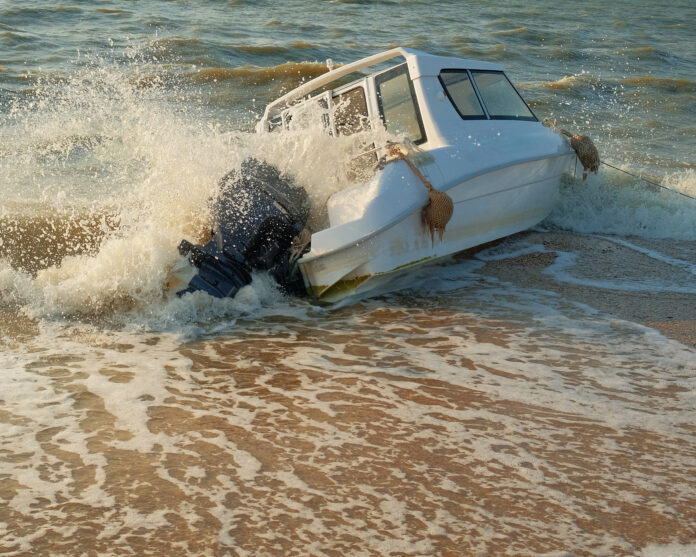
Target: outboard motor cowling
(256, 215)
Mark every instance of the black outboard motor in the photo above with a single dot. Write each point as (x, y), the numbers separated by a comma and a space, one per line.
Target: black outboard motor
(256, 215)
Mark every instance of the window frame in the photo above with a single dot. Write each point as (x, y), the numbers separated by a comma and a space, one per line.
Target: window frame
(484, 116)
(470, 73)
(531, 118)
(390, 74)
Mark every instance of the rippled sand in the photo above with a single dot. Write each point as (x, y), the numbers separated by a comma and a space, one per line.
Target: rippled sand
(639, 280)
(487, 418)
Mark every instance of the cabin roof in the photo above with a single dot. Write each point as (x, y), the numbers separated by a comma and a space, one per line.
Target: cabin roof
(424, 64)
(420, 64)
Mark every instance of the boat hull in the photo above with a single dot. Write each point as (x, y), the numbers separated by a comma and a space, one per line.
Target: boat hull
(487, 206)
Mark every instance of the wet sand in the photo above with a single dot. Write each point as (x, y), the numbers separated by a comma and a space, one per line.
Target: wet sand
(671, 313)
(410, 428)
(400, 466)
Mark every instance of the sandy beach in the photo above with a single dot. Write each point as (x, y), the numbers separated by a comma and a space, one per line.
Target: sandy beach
(606, 259)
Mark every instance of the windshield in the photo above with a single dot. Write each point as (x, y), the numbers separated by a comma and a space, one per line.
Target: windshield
(484, 94)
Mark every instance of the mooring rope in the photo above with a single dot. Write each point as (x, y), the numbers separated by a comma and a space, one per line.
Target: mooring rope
(646, 180)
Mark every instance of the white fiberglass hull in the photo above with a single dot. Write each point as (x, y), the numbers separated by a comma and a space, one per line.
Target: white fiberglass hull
(487, 206)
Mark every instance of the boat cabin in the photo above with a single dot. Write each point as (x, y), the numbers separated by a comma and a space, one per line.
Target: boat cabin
(423, 98)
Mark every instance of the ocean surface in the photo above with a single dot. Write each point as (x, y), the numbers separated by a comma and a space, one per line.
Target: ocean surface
(532, 397)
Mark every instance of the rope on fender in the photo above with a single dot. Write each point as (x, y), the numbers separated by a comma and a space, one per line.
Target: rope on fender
(438, 211)
(299, 244)
(584, 149)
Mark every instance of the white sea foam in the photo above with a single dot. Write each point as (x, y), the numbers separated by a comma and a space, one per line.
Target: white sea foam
(615, 204)
(626, 271)
(559, 269)
(16, 287)
(679, 263)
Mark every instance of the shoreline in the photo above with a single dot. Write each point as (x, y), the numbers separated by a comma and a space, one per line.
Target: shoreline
(671, 313)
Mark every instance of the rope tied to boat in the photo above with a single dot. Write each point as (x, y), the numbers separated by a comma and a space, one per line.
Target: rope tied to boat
(584, 148)
(438, 212)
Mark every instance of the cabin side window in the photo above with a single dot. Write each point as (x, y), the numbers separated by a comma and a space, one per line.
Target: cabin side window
(350, 114)
(397, 104)
(303, 115)
(460, 91)
(501, 99)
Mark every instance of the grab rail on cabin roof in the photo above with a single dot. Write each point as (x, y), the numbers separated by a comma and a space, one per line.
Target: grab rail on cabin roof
(277, 106)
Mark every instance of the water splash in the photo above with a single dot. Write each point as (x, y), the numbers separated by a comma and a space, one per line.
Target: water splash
(105, 177)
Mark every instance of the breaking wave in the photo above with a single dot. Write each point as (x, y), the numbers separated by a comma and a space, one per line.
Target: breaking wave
(517, 31)
(672, 85)
(290, 71)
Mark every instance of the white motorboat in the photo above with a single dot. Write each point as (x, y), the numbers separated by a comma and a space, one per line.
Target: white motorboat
(477, 140)
(460, 127)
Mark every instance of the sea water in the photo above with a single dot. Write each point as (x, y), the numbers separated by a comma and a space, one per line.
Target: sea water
(532, 397)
